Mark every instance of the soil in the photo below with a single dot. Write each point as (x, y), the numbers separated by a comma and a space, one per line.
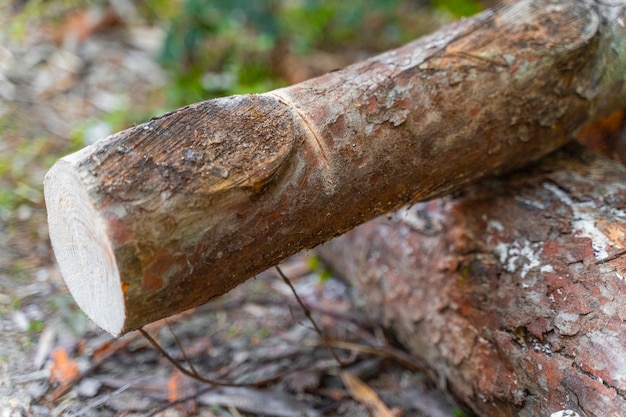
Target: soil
(59, 87)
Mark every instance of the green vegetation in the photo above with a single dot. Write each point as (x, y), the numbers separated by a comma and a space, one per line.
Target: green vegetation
(319, 269)
(212, 48)
(218, 48)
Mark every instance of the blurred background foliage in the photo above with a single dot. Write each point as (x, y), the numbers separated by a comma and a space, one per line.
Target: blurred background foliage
(214, 47)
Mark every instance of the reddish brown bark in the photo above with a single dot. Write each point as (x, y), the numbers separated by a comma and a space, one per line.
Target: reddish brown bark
(169, 214)
(513, 291)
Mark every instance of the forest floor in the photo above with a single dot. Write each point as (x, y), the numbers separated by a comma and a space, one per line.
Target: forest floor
(62, 88)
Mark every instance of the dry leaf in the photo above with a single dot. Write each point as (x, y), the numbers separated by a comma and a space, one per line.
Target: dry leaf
(179, 387)
(64, 369)
(173, 386)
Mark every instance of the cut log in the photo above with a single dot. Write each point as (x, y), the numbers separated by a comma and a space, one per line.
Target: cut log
(513, 291)
(174, 212)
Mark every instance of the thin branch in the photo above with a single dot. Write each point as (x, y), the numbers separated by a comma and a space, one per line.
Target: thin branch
(166, 405)
(195, 375)
(387, 352)
(181, 350)
(104, 399)
(307, 314)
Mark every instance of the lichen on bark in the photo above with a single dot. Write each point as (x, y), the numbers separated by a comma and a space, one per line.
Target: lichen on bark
(512, 290)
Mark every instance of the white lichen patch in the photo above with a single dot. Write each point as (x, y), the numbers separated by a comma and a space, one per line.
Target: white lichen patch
(420, 218)
(531, 202)
(608, 351)
(583, 221)
(542, 347)
(565, 413)
(520, 255)
(618, 213)
(567, 323)
(494, 224)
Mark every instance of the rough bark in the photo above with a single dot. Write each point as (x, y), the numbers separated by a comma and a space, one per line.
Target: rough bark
(169, 214)
(513, 291)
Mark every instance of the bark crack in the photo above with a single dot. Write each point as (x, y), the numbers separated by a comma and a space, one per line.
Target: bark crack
(611, 256)
(620, 392)
(311, 133)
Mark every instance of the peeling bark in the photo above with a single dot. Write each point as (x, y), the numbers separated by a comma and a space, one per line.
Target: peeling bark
(513, 291)
(172, 213)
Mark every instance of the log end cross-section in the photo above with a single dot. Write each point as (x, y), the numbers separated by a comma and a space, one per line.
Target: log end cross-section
(83, 249)
(141, 221)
